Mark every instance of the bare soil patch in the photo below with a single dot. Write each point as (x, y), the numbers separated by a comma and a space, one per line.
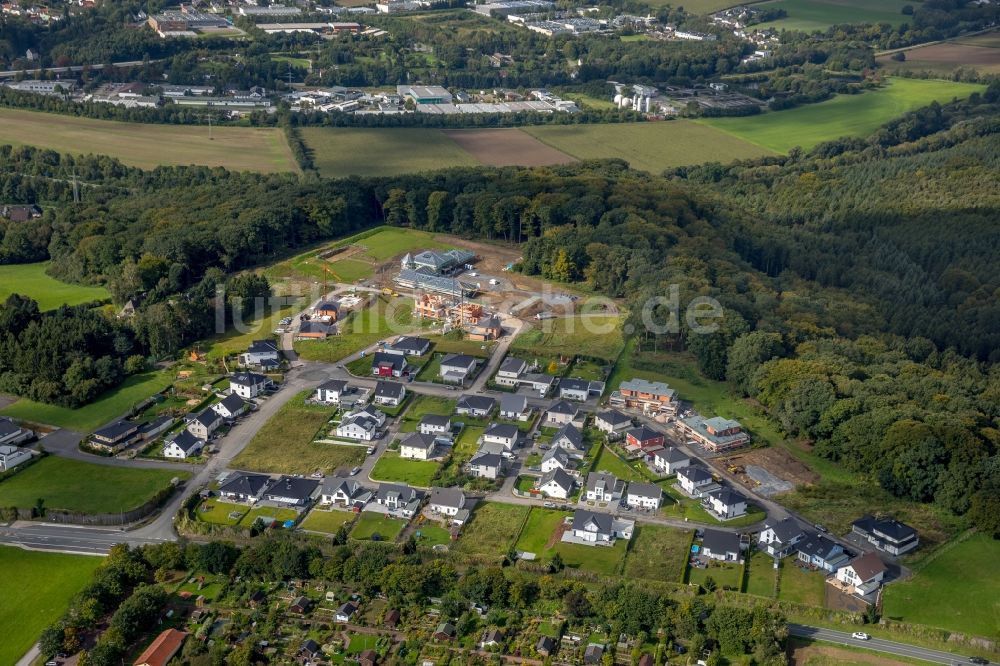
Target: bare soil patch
(776, 461)
(507, 147)
(557, 536)
(949, 55)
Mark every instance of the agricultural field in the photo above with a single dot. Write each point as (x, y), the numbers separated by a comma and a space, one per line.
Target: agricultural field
(979, 52)
(371, 524)
(652, 146)
(658, 553)
(353, 151)
(844, 115)
(492, 530)
(35, 590)
(359, 330)
(106, 408)
(326, 521)
(810, 15)
(599, 336)
(506, 147)
(390, 467)
(285, 443)
(147, 145)
(31, 280)
(62, 483)
(958, 589)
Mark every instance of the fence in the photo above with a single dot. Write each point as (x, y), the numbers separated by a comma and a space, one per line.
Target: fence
(104, 519)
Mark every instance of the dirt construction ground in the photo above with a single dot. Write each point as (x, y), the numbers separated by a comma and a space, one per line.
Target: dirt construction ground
(775, 462)
(507, 147)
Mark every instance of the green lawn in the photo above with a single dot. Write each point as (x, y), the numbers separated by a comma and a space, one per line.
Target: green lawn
(371, 523)
(844, 115)
(218, 513)
(32, 281)
(35, 590)
(390, 467)
(433, 535)
(537, 532)
(360, 330)
(658, 553)
(260, 328)
(799, 585)
(106, 408)
(81, 486)
(652, 146)
(809, 15)
(454, 342)
(268, 513)
(346, 151)
(603, 560)
(762, 575)
(958, 590)
(598, 336)
(285, 443)
(725, 574)
(326, 521)
(428, 404)
(608, 461)
(492, 530)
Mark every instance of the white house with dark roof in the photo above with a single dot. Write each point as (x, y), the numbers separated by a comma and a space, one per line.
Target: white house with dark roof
(435, 424)
(447, 501)
(476, 406)
(203, 425)
(399, 498)
(244, 487)
(409, 345)
(561, 413)
(12, 434)
(886, 534)
(514, 407)
(571, 388)
(330, 391)
(501, 433)
(556, 458)
(487, 465)
(603, 487)
(390, 394)
(183, 445)
(647, 496)
(12, 456)
(818, 551)
(231, 407)
(695, 480)
(600, 529)
(389, 365)
(612, 422)
(863, 575)
(261, 354)
(569, 439)
(670, 459)
(510, 371)
(249, 385)
(778, 538)
(456, 368)
(361, 425)
(115, 436)
(344, 491)
(556, 483)
(726, 503)
(417, 446)
(292, 490)
(720, 545)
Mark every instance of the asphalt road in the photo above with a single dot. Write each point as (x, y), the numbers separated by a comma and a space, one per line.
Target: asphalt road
(877, 645)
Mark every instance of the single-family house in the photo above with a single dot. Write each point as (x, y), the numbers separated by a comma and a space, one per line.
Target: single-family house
(456, 368)
(447, 501)
(485, 328)
(864, 574)
(435, 424)
(569, 439)
(261, 354)
(345, 612)
(715, 434)
(203, 425)
(886, 534)
(231, 407)
(539, 382)
(313, 330)
(116, 436)
(643, 438)
(670, 459)
(12, 456)
(501, 433)
(603, 487)
(612, 422)
(546, 646)
(778, 538)
(417, 446)
(476, 406)
(719, 545)
(244, 487)
(249, 385)
(600, 528)
(557, 484)
(163, 648)
(646, 396)
(818, 551)
(183, 445)
(389, 393)
(514, 407)
(510, 371)
(647, 496)
(492, 638)
(385, 364)
(292, 490)
(555, 458)
(344, 491)
(693, 480)
(327, 310)
(361, 425)
(156, 427)
(487, 465)
(409, 345)
(399, 498)
(330, 391)
(300, 605)
(561, 413)
(571, 388)
(12, 434)
(726, 503)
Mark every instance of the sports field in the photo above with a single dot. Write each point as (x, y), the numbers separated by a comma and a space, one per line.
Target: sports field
(648, 146)
(34, 591)
(958, 590)
(30, 280)
(148, 145)
(809, 15)
(844, 115)
(354, 151)
(74, 485)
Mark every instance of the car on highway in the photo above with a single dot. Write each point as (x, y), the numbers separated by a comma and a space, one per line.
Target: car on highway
(979, 660)
(860, 635)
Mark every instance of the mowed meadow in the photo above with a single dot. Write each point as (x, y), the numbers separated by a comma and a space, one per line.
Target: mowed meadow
(262, 149)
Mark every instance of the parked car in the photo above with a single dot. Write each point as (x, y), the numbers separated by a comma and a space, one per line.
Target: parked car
(860, 635)
(821, 528)
(549, 505)
(355, 471)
